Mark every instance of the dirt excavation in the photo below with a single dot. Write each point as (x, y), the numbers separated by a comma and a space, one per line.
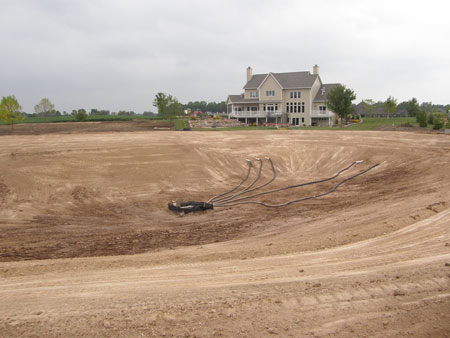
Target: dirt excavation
(88, 246)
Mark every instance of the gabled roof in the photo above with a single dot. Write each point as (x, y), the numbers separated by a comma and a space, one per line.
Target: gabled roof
(241, 99)
(321, 95)
(255, 81)
(286, 80)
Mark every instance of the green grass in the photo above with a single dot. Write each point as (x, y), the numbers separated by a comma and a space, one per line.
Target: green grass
(180, 124)
(372, 123)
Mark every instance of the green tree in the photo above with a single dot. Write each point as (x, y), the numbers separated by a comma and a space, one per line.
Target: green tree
(413, 107)
(44, 107)
(80, 115)
(421, 118)
(339, 100)
(438, 120)
(390, 105)
(167, 105)
(369, 107)
(427, 107)
(10, 110)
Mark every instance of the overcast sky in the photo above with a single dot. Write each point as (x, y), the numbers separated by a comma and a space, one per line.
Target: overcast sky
(117, 54)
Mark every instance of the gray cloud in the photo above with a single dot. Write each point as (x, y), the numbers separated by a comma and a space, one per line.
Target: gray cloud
(118, 54)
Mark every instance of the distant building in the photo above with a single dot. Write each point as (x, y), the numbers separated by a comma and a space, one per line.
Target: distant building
(298, 98)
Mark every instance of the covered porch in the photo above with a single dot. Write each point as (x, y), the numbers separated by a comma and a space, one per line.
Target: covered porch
(322, 118)
(255, 113)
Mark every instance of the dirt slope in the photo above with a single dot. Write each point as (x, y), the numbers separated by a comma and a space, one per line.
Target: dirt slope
(88, 247)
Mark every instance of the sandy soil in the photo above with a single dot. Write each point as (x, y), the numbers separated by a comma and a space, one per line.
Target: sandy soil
(88, 247)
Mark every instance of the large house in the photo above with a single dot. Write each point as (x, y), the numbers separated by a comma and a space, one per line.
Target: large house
(298, 98)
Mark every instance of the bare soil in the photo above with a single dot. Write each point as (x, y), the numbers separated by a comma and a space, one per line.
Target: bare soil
(83, 127)
(89, 248)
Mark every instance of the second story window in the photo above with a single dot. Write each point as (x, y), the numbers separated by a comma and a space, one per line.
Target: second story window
(295, 95)
(253, 94)
(270, 92)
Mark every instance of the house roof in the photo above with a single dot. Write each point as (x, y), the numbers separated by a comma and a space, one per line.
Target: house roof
(255, 81)
(321, 95)
(286, 80)
(241, 99)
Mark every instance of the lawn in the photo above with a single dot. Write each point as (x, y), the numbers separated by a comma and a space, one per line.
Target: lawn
(372, 123)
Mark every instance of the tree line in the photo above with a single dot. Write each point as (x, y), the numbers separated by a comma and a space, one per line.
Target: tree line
(166, 104)
(390, 107)
(339, 99)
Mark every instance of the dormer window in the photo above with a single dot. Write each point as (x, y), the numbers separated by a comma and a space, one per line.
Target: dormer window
(270, 92)
(254, 94)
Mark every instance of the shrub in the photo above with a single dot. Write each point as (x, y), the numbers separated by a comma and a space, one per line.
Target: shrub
(80, 115)
(438, 121)
(447, 126)
(421, 118)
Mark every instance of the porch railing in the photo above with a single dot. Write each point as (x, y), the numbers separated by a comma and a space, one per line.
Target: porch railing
(255, 113)
(322, 113)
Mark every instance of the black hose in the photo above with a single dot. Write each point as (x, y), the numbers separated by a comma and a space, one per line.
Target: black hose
(297, 185)
(236, 187)
(274, 175)
(233, 203)
(246, 188)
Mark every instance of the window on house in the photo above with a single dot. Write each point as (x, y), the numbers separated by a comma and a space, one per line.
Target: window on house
(322, 108)
(299, 94)
(287, 107)
(292, 95)
(270, 92)
(264, 107)
(291, 109)
(295, 107)
(253, 94)
(303, 107)
(303, 119)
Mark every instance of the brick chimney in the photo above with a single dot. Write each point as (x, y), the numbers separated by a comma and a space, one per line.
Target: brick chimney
(249, 73)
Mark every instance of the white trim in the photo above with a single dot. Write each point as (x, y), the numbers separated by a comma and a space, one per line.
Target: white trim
(270, 74)
(276, 80)
(258, 88)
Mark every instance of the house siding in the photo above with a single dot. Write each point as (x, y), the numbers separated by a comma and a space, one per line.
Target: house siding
(270, 84)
